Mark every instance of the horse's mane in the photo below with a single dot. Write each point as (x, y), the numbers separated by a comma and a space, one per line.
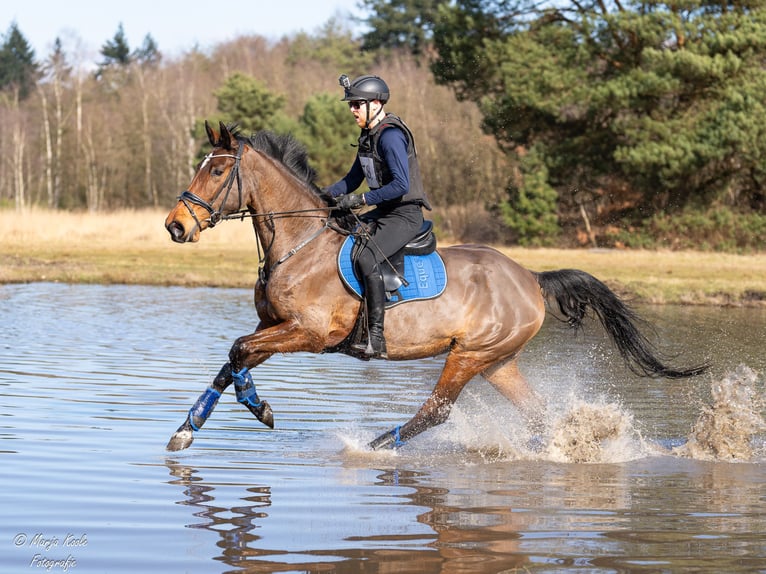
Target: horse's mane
(289, 152)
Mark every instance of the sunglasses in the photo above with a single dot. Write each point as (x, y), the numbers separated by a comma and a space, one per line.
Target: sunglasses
(356, 105)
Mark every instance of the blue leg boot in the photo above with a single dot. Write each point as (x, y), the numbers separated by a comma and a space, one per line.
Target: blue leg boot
(391, 439)
(204, 406)
(245, 388)
(197, 416)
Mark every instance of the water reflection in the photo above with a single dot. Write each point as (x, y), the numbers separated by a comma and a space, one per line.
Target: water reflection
(469, 536)
(234, 524)
(506, 516)
(454, 541)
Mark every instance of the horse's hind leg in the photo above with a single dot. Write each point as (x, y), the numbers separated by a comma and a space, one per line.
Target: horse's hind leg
(509, 382)
(458, 370)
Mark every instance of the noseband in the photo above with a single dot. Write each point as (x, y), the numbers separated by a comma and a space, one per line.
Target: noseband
(188, 198)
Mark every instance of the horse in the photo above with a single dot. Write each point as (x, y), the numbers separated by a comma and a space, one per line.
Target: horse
(490, 308)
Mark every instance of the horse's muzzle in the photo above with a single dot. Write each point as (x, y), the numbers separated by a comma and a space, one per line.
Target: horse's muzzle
(177, 232)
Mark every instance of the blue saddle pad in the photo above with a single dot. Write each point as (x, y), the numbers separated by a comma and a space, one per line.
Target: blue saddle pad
(425, 275)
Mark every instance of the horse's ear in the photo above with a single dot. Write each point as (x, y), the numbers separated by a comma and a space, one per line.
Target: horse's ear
(212, 137)
(225, 136)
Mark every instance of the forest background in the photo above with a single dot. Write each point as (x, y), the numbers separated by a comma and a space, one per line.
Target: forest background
(610, 124)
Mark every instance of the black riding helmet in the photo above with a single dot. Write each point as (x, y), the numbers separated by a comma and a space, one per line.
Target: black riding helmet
(364, 88)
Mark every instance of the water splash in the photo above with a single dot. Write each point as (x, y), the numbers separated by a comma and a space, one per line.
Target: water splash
(593, 433)
(574, 431)
(592, 430)
(356, 447)
(725, 429)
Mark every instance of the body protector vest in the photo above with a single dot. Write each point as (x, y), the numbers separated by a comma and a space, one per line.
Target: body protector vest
(375, 169)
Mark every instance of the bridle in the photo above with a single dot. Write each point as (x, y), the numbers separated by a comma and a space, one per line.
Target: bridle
(188, 198)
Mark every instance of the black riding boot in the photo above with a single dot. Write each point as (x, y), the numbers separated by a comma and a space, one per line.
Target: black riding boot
(375, 296)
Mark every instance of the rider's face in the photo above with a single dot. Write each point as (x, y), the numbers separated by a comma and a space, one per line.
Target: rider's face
(360, 109)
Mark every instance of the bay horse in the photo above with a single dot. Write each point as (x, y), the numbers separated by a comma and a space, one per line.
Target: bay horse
(490, 309)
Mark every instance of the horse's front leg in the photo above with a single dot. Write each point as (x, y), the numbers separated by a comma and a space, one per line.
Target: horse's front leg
(246, 353)
(249, 351)
(246, 395)
(201, 410)
(207, 401)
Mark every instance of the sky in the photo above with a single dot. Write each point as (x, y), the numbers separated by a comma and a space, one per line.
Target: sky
(177, 26)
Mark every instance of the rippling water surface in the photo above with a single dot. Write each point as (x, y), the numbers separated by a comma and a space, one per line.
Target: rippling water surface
(95, 379)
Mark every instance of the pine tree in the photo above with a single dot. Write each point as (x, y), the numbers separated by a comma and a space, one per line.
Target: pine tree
(400, 23)
(245, 101)
(645, 105)
(116, 53)
(148, 54)
(328, 131)
(18, 68)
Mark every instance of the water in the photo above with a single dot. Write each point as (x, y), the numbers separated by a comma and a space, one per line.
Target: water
(95, 379)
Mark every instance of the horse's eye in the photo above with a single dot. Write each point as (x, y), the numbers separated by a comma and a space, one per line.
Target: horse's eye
(216, 171)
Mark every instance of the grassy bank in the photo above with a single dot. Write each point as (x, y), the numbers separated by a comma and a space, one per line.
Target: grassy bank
(133, 247)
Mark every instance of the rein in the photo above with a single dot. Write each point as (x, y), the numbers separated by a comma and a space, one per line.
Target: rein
(361, 231)
(263, 274)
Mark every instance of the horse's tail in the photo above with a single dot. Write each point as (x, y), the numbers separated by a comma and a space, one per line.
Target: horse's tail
(576, 291)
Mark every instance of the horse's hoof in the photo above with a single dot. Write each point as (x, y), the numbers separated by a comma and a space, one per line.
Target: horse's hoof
(180, 440)
(265, 415)
(383, 441)
(391, 439)
(262, 411)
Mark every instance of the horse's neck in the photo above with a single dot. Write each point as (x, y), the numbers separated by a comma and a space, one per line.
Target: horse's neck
(288, 211)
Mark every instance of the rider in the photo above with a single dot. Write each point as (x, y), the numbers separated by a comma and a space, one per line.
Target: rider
(387, 159)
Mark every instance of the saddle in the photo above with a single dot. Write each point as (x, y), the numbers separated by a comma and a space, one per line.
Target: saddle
(416, 271)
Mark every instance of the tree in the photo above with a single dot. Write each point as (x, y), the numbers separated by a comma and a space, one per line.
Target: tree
(116, 53)
(57, 73)
(18, 69)
(116, 50)
(148, 54)
(327, 132)
(245, 101)
(530, 211)
(334, 46)
(400, 24)
(646, 105)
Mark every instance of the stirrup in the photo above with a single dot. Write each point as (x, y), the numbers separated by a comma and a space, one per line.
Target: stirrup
(369, 351)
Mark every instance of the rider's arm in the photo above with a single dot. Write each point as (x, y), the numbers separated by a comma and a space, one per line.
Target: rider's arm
(351, 181)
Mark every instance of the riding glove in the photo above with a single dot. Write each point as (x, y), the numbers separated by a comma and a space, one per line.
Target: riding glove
(350, 201)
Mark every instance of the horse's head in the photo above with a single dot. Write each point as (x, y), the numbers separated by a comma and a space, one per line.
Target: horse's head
(215, 190)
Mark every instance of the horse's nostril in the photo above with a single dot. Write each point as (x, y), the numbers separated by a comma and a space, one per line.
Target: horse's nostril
(176, 231)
